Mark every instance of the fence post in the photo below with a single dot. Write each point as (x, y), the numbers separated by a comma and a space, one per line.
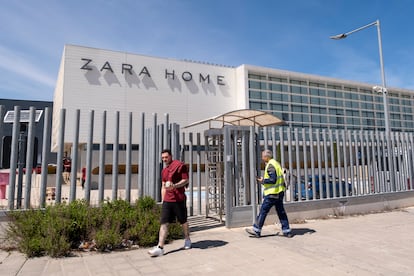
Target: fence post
(29, 157)
(13, 157)
(102, 153)
(45, 161)
(88, 182)
(115, 158)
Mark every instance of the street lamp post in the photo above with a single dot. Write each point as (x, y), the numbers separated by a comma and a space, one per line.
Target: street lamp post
(382, 89)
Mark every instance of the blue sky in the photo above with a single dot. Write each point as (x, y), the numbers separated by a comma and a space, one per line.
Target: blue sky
(289, 35)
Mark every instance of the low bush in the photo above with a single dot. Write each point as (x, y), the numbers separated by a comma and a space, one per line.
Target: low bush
(58, 229)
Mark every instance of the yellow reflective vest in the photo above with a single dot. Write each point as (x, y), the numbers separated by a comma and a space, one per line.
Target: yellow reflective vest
(274, 188)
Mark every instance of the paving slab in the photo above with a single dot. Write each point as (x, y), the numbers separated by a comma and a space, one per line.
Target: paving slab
(373, 244)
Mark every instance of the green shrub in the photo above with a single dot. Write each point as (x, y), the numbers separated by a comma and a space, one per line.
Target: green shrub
(40, 232)
(146, 203)
(107, 239)
(60, 228)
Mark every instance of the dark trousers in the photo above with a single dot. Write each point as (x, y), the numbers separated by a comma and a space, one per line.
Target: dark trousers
(268, 202)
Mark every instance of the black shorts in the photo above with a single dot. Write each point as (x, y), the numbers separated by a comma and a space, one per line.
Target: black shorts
(172, 210)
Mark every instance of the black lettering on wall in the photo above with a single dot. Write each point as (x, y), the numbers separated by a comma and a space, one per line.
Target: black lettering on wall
(145, 71)
(85, 66)
(169, 74)
(187, 76)
(204, 79)
(127, 67)
(107, 66)
(172, 75)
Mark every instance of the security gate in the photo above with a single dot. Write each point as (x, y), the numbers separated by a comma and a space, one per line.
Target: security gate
(215, 174)
(231, 166)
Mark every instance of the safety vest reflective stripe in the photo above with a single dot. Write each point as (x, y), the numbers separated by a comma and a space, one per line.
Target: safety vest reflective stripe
(278, 186)
(272, 186)
(268, 186)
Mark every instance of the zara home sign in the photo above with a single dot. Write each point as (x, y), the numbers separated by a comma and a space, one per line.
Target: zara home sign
(126, 68)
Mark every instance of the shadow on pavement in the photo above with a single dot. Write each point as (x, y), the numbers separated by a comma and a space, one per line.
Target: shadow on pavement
(201, 245)
(295, 232)
(208, 244)
(302, 231)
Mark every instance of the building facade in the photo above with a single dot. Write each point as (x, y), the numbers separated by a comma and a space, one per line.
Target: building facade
(6, 131)
(319, 102)
(111, 81)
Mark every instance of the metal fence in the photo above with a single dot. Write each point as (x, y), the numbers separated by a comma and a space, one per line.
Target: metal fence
(109, 171)
(320, 165)
(223, 163)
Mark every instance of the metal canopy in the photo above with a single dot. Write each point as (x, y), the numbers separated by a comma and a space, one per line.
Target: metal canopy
(242, 117)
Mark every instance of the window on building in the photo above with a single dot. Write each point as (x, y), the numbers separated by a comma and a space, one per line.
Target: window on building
(299, 99)
(275, 96)
(254, 94)
(317, 92)
(278, 87)
(295, 89)
(365, 105)
(394, 108)
(318, 110)
(279, 107)
(276, 79)
(257, 77)
(317, 84)
(300, 108)
(354, 89)
(324, 119)
(333, 103)
(300, 82)
(258, 105)
(297, 117)
(334, 86)
(257, 84)
(336, 120)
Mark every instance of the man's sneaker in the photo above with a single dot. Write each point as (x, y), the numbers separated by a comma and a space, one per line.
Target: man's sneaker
(187, 244)
(252, 232)
(156, 251)
(288, 235)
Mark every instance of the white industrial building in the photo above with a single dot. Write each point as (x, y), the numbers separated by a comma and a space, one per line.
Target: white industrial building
(105, 80)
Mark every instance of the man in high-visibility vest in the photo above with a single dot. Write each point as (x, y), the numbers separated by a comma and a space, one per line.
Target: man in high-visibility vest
(273, 193)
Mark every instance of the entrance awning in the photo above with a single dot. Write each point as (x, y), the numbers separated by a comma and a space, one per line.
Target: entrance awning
(242, 117)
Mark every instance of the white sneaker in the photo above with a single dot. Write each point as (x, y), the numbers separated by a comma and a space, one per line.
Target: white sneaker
(187, 244)
(156, 251)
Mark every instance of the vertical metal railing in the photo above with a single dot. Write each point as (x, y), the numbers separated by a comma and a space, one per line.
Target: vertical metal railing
(45, 161)
(13, 158)
(341, 162)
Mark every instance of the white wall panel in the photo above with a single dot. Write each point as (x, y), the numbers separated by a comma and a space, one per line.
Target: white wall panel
(187, 97)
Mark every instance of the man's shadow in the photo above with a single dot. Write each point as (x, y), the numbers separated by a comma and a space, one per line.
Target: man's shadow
(295, 232)
(206, 244)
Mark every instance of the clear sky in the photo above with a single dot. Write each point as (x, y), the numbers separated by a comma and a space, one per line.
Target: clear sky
(289, 35)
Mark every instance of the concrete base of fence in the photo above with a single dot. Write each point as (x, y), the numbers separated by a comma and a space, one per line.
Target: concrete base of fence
(317, 209)
(349, 206)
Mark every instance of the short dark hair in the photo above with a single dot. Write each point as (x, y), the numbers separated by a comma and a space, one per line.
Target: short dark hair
(166, 151)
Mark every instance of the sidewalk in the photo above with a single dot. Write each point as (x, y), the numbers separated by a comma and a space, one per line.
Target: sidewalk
(374, 244)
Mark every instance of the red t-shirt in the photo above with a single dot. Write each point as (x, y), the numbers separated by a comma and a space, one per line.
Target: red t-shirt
(175, 172)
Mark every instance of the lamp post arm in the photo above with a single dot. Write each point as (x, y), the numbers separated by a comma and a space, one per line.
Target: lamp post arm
(380, 54)
(384, 90)
(344, 35)
(363, 27)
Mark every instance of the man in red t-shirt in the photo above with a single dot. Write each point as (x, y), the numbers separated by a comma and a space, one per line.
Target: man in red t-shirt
(174, 181)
